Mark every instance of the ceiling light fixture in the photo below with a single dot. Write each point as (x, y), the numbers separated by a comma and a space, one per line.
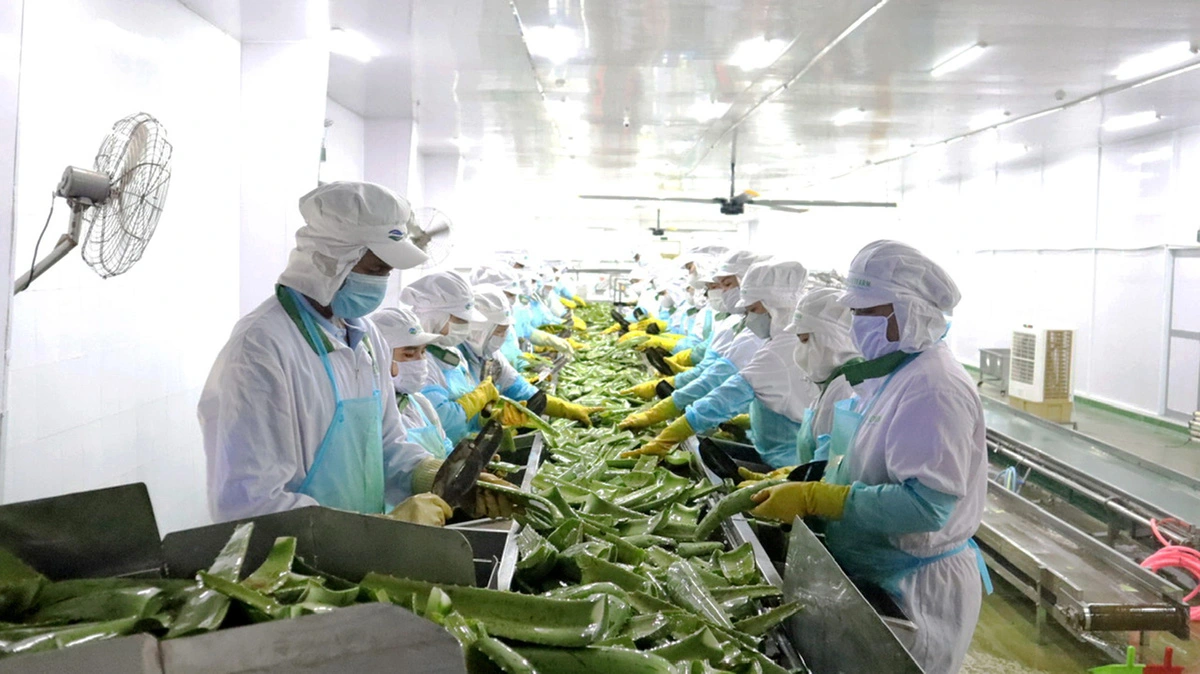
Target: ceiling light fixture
(556, 44)
(352, 44)
(1153, 156)
(959, 60)
(849, 116)
(1131, 121)
(706, 111)
(757, 53)
(989, 118)
(1154, 61)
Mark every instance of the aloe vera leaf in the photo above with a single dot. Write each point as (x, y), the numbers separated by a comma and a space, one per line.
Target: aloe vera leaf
(530, 618)
(684, 586)
(504, 657)
(104, 606)
(703, 645)
(762, 623)
(275, 569)
(595, 659)
(19, 586)
(204, 608)
(738, 565)
(36, 639)
(594, 570)
(738, 502)
(534, 420)
(698, 548)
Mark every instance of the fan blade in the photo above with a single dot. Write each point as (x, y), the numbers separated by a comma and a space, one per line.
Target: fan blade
(685, 200)
(851, 204)
(775, 207)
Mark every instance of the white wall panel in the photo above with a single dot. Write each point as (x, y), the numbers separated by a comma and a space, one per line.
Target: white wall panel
(106, 373)
(344, 145)
(10, 58)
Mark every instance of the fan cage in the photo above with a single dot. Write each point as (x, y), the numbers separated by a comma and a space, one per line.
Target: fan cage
(136, 157)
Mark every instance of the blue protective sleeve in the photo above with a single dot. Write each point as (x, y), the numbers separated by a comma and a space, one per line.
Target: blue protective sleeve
(691, 374)
(822, 451)
(519, 390)
(713, 376)
(731, 398)
(700, 350)
(453, 417)
(894, 509)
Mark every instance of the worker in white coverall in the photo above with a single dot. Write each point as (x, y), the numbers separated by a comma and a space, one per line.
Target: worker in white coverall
(771, 386)
(907, 477)
(408, 342)
(825, 351)
(293, 413)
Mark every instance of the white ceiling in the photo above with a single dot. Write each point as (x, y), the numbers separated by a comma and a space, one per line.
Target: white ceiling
(622, 113)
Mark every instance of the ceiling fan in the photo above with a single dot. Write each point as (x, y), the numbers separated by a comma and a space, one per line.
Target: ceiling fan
(736, 203)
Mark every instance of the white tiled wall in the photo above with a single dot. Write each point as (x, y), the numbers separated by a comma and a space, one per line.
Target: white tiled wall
(105, 374)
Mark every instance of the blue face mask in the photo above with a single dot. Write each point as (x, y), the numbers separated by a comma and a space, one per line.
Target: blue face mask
(870, 336)
(359, 295)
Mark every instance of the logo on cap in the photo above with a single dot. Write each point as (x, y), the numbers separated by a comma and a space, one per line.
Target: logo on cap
(412, 331)
(396, 235)
(860, 282)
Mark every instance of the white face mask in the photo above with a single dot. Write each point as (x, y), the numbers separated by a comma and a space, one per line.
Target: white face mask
(699, 301)
(813, 359)
(730, 298)
(489, 345)
(870, 336)
(759, 324)
(716, 302)
(410, 375)
(458, 334)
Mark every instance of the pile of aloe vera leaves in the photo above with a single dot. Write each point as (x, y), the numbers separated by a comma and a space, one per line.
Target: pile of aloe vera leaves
(615, 571)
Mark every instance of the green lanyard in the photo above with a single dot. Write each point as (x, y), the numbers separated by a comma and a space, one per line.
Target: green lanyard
(293, 310)
(839, 371)
(857, 373)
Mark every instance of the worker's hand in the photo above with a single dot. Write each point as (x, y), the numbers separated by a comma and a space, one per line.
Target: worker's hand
(512, 416)
(750, 476)
(492, 504)
(473, 402)
(427, 509)
(675, 432)
(644, 390)
(570, 304)
(578, 324)
(615, 327)
(680, 361)
(785, 502)
(666, 342)
(543, 338)
(576, 344)
(579, 300)
(557, 407)
(663, 410)
(742, 421)
(632, 334)
(646, 323)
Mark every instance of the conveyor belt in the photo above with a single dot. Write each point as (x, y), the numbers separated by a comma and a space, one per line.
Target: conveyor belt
(1172, 493)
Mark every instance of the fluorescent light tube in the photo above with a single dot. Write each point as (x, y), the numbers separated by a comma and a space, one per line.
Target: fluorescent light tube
(352, 44)
(1154, 61)
(959, 60)
(1131, 121)
(849, 116)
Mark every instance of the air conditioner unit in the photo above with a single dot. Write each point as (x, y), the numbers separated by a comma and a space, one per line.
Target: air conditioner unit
(1040, 367)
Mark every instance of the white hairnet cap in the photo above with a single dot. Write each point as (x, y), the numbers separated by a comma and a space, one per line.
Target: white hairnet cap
(342, 221)
(883, 271)
(819, 311)
(400, 327)
(778, 284)
(700, 253)
(493, 305)
(442, 293)
(706, 273)
(506, 279)
(738, 263)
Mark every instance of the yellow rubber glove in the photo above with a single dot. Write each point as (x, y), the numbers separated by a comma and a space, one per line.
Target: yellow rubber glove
(750, 476)
(578, 324)
(675, 432)
(665, 409)
(647, 322)
(576, 344)
(680, 361)
(557, 407)
(665, 341)
(646, 389)
(474, 401)
(742, 421)
(579, 300)
(545, 339)
(492, 504)
(570, 304)
(512, 416)
(426, 509)
(611, 329)
(786, 502)
(630, 335)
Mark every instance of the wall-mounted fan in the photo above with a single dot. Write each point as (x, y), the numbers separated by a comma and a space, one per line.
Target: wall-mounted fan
(736, 203)
(431, 232)
(120, 199)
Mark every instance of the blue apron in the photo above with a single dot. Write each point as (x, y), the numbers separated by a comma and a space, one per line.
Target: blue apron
(428, 436)
(347, 470)
(865, 555)
(773, 435)
(806, 444)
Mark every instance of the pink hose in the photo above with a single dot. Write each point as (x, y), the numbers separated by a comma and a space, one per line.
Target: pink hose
(1177, 556)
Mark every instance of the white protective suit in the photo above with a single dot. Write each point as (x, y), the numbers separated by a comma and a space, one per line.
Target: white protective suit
(819, 315)
(401, 328)
(926, 425)
(268, 401)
